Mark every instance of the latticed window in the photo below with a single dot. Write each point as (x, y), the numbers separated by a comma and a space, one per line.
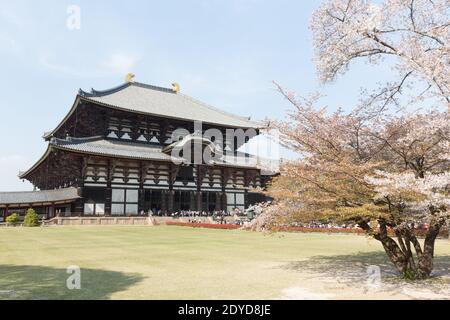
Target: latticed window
(235, 200)
(95, 201)
(124, 202)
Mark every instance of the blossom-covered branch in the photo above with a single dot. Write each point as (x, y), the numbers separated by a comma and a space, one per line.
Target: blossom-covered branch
(413, 34)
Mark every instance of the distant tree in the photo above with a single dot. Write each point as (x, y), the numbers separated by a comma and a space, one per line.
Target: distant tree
(413, 34)
(31, 219)
(13, 219)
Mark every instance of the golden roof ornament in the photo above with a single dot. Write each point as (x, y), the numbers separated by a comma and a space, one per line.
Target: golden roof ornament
(129, 77)
(176, 87)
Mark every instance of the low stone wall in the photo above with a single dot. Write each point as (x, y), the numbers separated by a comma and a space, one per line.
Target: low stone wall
(76, 221)
(154, 220)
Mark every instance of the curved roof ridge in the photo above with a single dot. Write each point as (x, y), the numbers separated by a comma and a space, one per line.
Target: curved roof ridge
(105, 92)
(74, 141)
(101, 93)
(69, 140)
(152, 87)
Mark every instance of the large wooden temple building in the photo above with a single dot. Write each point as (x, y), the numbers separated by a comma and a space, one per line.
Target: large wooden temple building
(113, 154)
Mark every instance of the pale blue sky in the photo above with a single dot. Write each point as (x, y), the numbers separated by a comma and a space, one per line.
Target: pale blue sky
(225, 53)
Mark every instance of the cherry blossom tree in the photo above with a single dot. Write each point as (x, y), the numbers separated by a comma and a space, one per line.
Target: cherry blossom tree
(387, 173)
(413, 34)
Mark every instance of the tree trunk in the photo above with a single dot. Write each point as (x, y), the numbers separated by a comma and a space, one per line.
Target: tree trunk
(393, 250)
(402, 257)
(401, 254)
(426, 260)
(395, 254)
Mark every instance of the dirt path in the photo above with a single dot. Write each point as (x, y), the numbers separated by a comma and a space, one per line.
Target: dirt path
(324, 287)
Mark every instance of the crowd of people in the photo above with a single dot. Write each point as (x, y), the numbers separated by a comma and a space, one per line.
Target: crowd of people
(192, 213)
(315, 225)
(240, 217)
(219, 216)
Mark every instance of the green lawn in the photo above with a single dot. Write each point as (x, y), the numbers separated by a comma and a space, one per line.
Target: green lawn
(167, 262)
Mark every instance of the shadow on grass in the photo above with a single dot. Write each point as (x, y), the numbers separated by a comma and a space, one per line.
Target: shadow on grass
(353, 266)
(41, 283)
(353, 270)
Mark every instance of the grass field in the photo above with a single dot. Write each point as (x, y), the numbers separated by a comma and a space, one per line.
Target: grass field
(165, 262)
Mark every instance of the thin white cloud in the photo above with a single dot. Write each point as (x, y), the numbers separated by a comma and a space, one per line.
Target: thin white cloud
(11, 159)
(44, 61)
(120, 62)
(235, 6)
(8, 44)
(116, 63)
(9, 16)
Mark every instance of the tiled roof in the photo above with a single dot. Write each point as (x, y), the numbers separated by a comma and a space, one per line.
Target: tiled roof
(33, 197)
(101, 146)
(124, 149)
(164, 102)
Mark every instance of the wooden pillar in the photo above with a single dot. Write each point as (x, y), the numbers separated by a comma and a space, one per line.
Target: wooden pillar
(199, 182)
(108, 200)
(199, 200)
(108, 191)
(192, 205)
(141, 200)
(150, 200)
(79, 207)
(170, 200)
(218, 200)
(5, 213)
(224, 201)
(142, 176)
(246, 199)
(52, 208)
(224, 181)
(79, 203)
(163, 200)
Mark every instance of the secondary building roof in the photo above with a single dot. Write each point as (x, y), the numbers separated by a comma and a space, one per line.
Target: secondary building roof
(114, 148)
(99, 146)
(37, 198)
(130, 150)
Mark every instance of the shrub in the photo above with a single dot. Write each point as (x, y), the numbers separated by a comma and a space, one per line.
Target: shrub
(13, 219)
(31, 219)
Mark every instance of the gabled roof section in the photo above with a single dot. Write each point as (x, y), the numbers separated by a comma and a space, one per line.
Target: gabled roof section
(36, 197)
(164, 102)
